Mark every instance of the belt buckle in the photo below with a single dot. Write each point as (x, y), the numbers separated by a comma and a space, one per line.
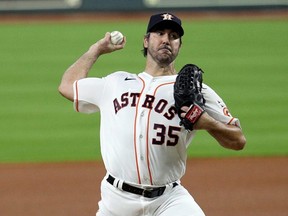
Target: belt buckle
(147, 192)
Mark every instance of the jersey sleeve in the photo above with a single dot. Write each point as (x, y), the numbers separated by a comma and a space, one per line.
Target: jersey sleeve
(87, 94)
(217, 108)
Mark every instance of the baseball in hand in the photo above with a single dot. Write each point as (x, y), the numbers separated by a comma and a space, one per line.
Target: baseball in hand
(116, 37)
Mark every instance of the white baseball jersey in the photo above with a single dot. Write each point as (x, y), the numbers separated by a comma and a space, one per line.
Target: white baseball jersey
(141, 139)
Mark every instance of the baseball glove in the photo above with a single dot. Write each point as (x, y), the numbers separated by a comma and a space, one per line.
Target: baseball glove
(187, 92)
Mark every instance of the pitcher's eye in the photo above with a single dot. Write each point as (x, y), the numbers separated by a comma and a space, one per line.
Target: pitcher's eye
(174, 35)
(159, 33)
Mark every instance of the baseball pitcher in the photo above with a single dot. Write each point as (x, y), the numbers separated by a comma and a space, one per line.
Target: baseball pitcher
(148, 121)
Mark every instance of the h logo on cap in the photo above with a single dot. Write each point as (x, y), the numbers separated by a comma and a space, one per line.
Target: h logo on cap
(165, 20)
(167, 16)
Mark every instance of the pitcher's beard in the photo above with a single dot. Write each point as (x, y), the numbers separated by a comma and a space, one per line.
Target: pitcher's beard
(163, 56)
(164, 59)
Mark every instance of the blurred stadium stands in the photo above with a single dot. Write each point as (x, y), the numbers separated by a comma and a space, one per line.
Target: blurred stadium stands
(7, 6)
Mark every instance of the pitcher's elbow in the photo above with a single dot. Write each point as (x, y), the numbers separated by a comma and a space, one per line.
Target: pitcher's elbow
(66, 92)
(61, 90)
(240, 143)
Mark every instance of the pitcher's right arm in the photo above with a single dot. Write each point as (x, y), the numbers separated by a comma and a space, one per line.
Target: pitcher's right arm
(83, 65)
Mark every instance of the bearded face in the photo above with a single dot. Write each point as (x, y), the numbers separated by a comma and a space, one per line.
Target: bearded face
(162, 46)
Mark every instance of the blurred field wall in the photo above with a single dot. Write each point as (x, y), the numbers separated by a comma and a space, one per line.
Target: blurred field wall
(7, 6)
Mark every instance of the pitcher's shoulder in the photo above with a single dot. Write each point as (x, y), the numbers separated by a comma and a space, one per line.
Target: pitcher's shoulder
(121, 74)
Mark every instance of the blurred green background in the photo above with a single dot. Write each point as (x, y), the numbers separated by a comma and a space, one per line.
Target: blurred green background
(245, 61)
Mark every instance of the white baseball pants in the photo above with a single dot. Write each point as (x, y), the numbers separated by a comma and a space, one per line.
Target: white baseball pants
(174, 201)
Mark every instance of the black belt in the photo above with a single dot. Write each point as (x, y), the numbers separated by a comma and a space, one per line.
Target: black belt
(149, 193)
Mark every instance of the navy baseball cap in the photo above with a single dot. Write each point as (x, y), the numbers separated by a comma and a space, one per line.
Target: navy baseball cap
(158, 21)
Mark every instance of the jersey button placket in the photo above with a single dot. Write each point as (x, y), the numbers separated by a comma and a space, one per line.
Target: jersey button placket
(141, 141)
(142, 146)
(142, 122)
